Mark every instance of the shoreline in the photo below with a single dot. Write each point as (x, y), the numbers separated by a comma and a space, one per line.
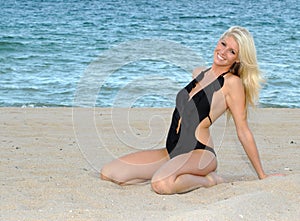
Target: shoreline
(259, 106)
(50, 159)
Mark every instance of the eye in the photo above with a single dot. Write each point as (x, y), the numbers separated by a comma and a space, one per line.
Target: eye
(223, 43)
(233, 52)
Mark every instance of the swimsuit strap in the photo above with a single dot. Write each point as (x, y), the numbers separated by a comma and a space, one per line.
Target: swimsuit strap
(197, 79)
(225, 73)
(209, 119)
(201, 75)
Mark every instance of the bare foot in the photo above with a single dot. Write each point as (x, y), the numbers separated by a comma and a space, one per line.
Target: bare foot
(214, 179)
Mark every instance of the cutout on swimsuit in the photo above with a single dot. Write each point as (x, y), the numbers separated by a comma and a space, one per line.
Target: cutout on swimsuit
(188, 113)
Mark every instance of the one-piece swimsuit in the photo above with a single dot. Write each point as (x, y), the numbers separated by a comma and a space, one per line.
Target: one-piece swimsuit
(188, 114)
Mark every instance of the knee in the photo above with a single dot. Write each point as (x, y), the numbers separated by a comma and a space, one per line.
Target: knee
(163, 187)
(105, 173)
(109, 174)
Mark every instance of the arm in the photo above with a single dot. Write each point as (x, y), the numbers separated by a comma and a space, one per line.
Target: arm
(235, 100)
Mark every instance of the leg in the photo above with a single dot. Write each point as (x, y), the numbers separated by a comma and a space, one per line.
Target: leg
(134, 168)
(186, 172)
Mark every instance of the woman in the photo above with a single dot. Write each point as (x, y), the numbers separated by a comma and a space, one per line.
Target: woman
(189, 160)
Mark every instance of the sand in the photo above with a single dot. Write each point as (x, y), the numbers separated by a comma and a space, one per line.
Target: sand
(50, 161)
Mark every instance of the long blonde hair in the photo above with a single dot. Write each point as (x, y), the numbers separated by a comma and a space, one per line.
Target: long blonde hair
(247, 68)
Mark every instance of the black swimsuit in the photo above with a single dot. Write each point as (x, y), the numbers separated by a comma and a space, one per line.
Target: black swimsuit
(181, 137)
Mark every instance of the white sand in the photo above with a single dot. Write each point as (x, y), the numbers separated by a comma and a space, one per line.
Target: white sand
(45, 176)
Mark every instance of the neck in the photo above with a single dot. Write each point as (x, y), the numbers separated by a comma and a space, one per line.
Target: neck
(218, 70)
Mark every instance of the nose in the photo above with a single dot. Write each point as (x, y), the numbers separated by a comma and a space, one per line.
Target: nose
(222, 51)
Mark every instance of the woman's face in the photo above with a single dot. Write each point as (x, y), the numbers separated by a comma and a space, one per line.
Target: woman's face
(226, 52)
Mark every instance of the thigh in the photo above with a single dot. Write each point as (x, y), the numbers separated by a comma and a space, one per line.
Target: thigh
(145, 157)
(135, 167)
(196, 162)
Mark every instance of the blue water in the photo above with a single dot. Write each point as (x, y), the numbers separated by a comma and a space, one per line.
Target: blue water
(47, 48)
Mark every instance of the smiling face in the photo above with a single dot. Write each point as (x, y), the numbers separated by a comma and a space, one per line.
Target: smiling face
(226, 52)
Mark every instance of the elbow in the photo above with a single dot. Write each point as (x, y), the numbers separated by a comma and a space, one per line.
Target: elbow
(241, 136)
(244, 135)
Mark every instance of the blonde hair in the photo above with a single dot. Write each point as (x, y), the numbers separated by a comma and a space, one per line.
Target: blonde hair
(247, 68)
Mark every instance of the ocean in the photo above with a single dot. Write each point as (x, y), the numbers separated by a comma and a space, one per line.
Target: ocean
(136, 53)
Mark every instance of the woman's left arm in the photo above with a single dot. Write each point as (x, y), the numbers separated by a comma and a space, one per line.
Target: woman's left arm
(235, 99)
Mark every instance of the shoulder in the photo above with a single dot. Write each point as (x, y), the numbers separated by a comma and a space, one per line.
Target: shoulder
(233, 82)
(197, 71)
(235, 93)
(233, 89)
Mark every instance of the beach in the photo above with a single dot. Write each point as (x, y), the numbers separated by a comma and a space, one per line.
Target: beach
(50, 161)
(61, 58)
